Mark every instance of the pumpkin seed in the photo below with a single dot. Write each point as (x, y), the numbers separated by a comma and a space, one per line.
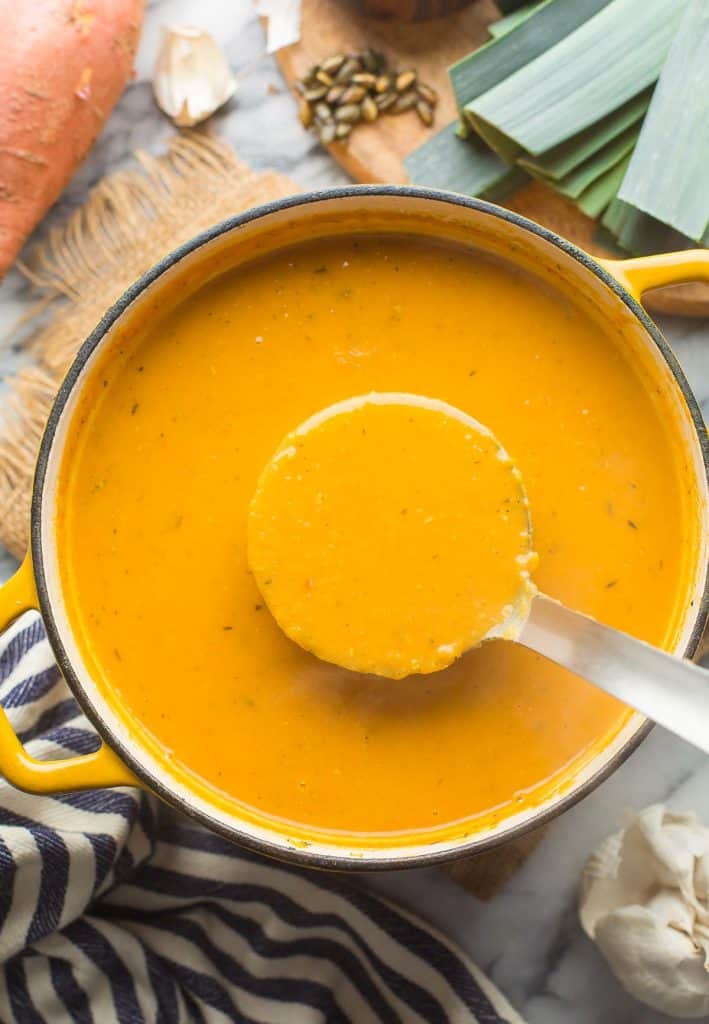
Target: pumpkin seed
(305, 113)
(385, 100)
(350, 67)
(313, 95)
(370, 110)
(353, 94)
(372, 61)
(349, 112)
(347, 88)
(404, 102)
(364, 78)
(404, 80)
(326, 133)
(333, 64)
(335, 94)
(425, 112)
(429, 94)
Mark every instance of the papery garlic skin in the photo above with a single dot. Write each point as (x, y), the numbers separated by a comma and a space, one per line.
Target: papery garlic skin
(645, 903)
(192, 77)
(283, 18)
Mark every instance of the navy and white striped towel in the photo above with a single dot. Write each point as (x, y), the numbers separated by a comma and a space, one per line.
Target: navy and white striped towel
(113, 909)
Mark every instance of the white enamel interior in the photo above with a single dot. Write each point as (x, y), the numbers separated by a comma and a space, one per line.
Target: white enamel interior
(485, 231)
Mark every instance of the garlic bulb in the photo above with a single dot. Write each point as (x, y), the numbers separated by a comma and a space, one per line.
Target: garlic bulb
(192, 77)
(645, 903)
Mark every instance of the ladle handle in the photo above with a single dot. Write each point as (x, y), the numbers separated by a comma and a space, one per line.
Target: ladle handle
(671, 691)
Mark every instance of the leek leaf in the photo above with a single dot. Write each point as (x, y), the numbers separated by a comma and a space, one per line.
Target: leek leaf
(499, 143)
(606, 61)
(594, 200)
(636, 232)
(558, 162)
(551, 21)
(668, 177)
(614, 216)
(445, 161)
(608, 156)
(510, 21)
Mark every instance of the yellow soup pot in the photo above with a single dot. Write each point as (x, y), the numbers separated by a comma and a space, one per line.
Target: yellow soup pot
(612, 288)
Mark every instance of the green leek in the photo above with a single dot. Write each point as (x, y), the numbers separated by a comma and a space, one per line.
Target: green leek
(583, 176)
(510, 21)
(668, 177)
(610, 58)
(447, 162)
(636, 232)
(556, 163)
(492, 63)
(600, 193)
(567, 92)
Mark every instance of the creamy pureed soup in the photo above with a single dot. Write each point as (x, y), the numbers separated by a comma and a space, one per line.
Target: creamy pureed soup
(439, 558)
(167, 448)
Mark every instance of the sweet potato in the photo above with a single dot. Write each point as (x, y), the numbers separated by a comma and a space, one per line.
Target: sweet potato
(64, 65)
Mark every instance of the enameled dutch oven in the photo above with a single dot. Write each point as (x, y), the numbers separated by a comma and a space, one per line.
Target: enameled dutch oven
(612, 288)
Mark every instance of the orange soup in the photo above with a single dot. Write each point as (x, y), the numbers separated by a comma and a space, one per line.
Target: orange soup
(438, 559)
(165, 453)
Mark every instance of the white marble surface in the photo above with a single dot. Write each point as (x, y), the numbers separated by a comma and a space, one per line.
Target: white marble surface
(527, 938)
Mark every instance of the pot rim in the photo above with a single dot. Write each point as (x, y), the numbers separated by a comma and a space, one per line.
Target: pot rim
(302, 856)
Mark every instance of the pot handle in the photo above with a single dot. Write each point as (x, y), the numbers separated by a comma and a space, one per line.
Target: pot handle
(88, 771)
(641, 273)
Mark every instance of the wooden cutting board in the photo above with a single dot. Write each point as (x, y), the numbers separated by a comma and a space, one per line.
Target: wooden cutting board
(376, 152)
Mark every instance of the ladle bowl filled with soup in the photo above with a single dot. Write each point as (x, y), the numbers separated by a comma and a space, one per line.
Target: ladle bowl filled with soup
(193, 634)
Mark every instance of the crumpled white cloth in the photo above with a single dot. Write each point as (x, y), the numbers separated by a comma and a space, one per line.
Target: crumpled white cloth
(283, 22)
(645, 903)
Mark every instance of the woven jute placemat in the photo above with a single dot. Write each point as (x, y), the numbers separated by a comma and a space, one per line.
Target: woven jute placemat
(132, 219)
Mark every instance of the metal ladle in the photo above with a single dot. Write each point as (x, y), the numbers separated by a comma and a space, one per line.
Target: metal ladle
(668, 689)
